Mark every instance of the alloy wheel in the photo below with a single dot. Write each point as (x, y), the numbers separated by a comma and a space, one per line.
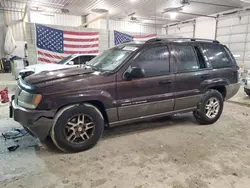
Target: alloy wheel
(79, 128)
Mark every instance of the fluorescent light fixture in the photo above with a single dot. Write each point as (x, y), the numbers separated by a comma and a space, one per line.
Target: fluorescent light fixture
(236, 55)
(173, 15)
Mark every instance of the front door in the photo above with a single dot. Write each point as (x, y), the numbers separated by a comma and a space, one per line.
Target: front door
(149, 95)
(191, 72)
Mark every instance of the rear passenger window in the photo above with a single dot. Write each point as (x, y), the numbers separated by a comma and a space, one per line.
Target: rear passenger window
(185, 58)
(154, 61)
(218, 56)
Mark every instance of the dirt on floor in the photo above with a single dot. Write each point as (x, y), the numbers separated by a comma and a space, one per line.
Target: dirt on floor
(175, 153)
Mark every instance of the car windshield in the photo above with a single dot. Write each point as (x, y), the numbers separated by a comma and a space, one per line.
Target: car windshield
(64, 60)
(109, 60)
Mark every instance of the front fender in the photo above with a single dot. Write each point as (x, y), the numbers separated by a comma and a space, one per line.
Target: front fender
(55, 102)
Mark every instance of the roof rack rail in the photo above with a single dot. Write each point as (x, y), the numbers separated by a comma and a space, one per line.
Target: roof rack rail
(180, 39)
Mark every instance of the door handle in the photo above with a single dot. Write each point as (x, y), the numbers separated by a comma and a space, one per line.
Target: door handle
(162, 82)
(205, 76)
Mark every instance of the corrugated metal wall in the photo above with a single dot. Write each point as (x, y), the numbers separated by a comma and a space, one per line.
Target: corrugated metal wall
(233, 31)
(2, 31)
(17, 27)
(126, 26)
(55, 19)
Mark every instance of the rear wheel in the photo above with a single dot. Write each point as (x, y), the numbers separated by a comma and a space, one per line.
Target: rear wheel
(209, 108)
(77, 128)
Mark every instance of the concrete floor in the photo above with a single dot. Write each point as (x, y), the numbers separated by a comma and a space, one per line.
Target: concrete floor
(176, 153)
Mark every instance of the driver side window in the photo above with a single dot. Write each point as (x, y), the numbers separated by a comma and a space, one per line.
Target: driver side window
(76, 61)
(154, 61)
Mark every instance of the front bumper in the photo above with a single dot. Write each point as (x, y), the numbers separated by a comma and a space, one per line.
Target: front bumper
(37, 122)
(231, 90)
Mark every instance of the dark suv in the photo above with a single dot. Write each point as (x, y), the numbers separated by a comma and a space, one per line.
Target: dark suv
(128, 83)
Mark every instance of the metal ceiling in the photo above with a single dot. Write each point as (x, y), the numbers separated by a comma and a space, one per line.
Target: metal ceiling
(147, 11)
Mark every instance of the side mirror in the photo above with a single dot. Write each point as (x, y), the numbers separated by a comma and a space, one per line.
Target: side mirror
(134, 73)
(71, 63)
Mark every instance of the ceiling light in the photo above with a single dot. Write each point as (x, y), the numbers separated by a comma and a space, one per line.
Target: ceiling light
(132, 1)
(99, 10)
(173, 15)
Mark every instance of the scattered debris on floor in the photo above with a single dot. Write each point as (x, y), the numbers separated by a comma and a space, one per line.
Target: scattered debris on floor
(13, 148)
(14, 134)
(21, 136)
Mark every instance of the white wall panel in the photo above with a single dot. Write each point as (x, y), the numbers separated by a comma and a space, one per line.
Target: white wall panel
(237, 47)
(237, 38)
(224, 31)
(186, 30)
(205, 28)
(55, 19)
(125, 26)
(239, 29)
(223, 39)
(233, 30)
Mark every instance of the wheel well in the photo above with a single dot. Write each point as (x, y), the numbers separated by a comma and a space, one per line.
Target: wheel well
(102, 109)
(97, 104)
(221, 89)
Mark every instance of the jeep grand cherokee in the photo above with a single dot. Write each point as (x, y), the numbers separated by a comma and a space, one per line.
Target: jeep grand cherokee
(128, 83)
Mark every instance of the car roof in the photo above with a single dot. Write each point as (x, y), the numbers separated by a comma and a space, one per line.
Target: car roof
(156, 41)
(84, 54)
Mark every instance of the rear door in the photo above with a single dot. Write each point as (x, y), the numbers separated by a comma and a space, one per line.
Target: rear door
(191, 71)
(149, 95)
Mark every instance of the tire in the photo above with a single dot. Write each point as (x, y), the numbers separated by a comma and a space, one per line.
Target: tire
(65, 125)
(201, 113)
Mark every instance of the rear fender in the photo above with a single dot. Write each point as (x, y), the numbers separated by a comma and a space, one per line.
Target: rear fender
(206, 84)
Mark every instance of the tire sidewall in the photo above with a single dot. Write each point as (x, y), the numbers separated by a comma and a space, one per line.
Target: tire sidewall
(58, 135)
(201, 107)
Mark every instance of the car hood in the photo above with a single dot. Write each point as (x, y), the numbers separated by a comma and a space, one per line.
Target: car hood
(57, 75)
(44, 67)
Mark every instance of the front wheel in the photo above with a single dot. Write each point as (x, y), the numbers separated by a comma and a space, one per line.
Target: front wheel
(77, 127)
(209, 108)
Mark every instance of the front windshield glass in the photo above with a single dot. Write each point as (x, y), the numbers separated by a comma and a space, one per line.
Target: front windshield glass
(64, 60)
(110, 59)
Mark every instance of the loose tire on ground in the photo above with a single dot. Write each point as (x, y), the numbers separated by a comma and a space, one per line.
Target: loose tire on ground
(200, 114)
(57, 132)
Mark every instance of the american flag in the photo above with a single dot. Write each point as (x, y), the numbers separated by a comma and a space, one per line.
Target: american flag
(122, 37)
(54, 44)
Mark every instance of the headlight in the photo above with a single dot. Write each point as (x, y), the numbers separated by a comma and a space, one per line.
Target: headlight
(28, 100)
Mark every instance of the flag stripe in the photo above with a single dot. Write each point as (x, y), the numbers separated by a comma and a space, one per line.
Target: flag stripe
(81, 33)
(82, 52)
(81, 43)
(81, 40)
(89, 37)
(80, 46)
(44, 60)
(50, 55)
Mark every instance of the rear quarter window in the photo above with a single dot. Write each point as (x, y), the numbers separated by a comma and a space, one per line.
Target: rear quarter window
(219, 56)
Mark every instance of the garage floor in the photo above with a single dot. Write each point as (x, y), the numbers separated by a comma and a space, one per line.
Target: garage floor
(175, 153)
